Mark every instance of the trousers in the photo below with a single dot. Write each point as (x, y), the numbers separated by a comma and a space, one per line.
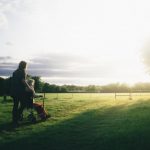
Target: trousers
(19, 103)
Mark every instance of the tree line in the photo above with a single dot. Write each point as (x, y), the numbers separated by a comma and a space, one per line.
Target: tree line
(44, 87)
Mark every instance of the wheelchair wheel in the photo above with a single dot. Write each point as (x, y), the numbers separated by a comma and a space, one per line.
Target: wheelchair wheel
(32, 118)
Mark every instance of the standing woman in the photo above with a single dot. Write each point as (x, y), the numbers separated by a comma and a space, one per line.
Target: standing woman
(19, 85)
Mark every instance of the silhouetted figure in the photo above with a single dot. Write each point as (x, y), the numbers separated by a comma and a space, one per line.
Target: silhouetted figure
(18, 89)
(30, 94)
(39, 108)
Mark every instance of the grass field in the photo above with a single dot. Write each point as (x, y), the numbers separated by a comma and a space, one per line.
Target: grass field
(81, 122)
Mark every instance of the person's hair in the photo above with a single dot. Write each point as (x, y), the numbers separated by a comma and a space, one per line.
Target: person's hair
(31, 82)
(22, 65)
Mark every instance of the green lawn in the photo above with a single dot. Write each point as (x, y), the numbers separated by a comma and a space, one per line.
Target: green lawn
(81, 122)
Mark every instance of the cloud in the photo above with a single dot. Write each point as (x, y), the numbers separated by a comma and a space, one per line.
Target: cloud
(5, 7)
(3, 21)
(7, 65)
(145, 53)
(6, 72)
(55, 65)
(61, 66)
(68, 65)
(9, 43)
(9, 7)
(5, 58)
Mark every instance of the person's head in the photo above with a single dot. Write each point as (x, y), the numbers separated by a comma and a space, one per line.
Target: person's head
(31, 82)
(22, 65)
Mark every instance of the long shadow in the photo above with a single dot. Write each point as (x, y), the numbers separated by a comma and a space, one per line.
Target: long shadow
(114, 128)
(9, 127)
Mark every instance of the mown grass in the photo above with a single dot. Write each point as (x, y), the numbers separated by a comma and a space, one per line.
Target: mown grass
(81, 122)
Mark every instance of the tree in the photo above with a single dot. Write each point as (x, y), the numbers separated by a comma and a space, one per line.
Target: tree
(38, 84)
(46, 88)
(5, 87)
(63, 89)
(2, 86)
(91, 88)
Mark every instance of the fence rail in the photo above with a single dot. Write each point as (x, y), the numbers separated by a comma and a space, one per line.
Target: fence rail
(132, 94)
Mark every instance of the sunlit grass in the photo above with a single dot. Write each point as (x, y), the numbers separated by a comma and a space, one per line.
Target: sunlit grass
(81, 121)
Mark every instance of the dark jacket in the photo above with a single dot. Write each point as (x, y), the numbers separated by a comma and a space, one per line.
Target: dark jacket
(17, 86)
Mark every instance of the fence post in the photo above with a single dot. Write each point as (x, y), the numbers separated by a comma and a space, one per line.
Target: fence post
(130, 96)
(44, 95)
(57, 96)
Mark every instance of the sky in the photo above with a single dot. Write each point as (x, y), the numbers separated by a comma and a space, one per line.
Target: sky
(77, 42)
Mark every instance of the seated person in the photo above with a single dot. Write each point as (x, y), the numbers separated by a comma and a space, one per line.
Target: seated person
(30, 94)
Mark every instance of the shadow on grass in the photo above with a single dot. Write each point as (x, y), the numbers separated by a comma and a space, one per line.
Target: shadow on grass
(9, 127)
(114, 128)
